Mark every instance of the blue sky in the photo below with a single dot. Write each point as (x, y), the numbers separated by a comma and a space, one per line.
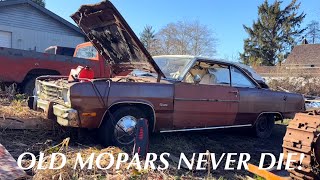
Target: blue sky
(224, 17)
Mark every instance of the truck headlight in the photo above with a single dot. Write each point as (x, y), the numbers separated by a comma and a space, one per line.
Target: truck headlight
(37, 88)
(66, 96)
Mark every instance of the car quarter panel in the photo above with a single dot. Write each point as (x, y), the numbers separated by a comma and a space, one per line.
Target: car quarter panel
(294, 103)
(254, 101)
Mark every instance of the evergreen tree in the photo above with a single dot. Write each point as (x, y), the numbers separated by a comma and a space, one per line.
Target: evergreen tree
(40, 2)
(273, 35)
(148, 37)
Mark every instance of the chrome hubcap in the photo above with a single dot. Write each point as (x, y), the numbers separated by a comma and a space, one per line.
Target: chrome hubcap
(125, 130)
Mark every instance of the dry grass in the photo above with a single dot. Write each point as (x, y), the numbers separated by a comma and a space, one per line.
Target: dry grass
(284, 122)
(68, 171)
(220, 141)
(18, 109)
(14, 105)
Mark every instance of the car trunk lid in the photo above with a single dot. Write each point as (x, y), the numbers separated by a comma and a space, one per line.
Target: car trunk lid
(114, 39)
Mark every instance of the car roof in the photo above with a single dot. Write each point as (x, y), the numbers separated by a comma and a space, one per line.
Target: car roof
(254, 74)
(196, 57)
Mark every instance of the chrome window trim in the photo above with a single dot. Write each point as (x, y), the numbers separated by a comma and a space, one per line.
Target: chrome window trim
(207, 128)
(208, 100)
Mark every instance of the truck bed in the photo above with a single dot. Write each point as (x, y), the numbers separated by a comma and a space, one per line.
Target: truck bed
(15, 64)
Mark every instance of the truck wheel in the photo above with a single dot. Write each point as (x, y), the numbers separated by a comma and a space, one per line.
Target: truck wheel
(264, 126)
(28, 86)
(120, 128)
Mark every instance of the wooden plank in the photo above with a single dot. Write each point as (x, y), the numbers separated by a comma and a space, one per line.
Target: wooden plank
(9, 168)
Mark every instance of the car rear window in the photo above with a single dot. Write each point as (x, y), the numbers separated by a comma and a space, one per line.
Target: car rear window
(87, 52)
(238, 79)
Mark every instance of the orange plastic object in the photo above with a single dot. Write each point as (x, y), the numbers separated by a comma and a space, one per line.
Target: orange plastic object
(268, 175)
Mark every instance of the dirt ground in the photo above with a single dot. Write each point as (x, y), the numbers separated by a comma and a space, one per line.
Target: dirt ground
(216, 141)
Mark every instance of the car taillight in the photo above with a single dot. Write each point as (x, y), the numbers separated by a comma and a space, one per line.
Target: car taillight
(140, 133)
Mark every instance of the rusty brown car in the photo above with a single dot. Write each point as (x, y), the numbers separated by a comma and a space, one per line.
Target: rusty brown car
(174, 93)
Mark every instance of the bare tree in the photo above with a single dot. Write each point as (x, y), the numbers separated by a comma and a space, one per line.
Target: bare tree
(313, 31)
(186, 37)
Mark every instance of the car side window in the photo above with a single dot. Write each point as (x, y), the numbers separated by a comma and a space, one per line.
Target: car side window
(210, 73)
(238, 79)
(221, 75)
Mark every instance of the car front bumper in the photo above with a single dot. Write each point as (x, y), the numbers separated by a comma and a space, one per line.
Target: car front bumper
(65, 116)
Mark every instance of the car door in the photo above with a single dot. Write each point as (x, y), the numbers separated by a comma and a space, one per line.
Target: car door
(206, 104)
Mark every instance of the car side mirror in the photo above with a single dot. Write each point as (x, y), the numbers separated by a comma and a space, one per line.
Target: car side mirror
(197, 79)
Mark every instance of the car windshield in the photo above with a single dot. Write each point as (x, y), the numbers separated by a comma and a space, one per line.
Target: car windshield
(172, 67)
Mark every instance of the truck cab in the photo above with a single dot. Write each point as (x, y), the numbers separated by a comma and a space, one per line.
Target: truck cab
(88, 51)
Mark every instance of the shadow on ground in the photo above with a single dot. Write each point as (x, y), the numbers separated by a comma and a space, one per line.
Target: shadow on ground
(218, 142)
(215, 141)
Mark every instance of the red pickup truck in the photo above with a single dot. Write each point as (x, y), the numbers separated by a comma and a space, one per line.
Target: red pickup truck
(23, 67)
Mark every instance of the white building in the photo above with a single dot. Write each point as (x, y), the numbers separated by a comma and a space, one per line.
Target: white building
(28, 26)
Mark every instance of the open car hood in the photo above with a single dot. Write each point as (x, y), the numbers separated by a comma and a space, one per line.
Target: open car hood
(114, 39)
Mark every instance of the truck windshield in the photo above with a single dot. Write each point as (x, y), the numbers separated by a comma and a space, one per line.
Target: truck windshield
(172, 67)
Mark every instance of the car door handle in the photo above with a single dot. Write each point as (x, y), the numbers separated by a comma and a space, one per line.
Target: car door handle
(233, 92)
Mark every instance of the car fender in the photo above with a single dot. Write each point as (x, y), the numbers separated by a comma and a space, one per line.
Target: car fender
(143, 102)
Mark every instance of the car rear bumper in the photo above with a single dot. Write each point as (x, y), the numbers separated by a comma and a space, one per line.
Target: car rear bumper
(65, 116)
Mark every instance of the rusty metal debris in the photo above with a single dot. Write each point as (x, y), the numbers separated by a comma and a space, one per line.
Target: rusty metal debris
(8, 166)
(302, 136)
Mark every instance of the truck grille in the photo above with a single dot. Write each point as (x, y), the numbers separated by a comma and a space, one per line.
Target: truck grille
(52, 92)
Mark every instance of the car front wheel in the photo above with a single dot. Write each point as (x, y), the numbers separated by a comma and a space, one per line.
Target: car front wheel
(120, 128)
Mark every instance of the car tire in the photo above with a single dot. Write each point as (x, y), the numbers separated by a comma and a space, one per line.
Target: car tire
(29, 86)
(263, 127)
(119, 124)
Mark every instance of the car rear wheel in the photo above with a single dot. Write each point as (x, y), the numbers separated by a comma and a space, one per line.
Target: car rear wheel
(264, 126)
(120, 128)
